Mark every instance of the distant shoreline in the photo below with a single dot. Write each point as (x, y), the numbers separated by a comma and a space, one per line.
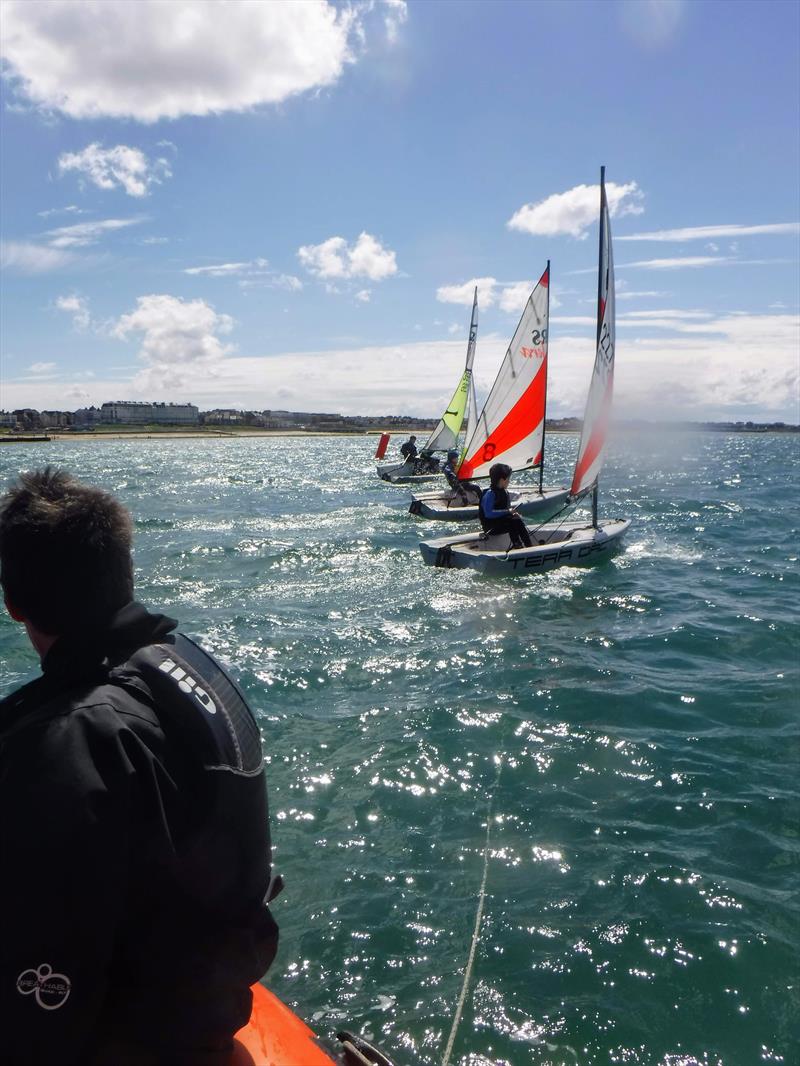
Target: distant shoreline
(45, 436)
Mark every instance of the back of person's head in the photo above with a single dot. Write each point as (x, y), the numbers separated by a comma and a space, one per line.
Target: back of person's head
(65, 551)
(412, 437)
(498, 472)
(452, 455)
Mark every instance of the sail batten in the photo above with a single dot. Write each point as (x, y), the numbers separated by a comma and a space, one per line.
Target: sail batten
(601, 390)
(510, 428)
(445, 435)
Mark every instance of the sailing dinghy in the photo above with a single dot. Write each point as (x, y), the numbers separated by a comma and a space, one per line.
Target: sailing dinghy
(560, 543)
(445, 435)
(511, 426)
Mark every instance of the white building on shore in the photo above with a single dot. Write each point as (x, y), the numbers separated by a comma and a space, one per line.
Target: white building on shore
(132, 412)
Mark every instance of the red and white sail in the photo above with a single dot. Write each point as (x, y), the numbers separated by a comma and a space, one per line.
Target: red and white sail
(601, 389)
(510, 428)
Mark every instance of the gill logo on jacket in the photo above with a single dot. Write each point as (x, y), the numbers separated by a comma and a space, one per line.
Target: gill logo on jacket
(186, 683)
(50, 990)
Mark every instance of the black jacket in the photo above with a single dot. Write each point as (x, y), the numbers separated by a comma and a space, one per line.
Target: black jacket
(134, 850)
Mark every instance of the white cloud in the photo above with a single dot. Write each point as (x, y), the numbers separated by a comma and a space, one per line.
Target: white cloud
(652, 23)
(179, 338)
(227, 270)
(363, 295)
(453, 328)
(635, 295)
(511, 296)
(514, 297)
(151, 60)
(334, 258)
(77, 307)
(724, 367)
(70, 209)
(251, 273)
(155, 240)
(574, 320)
(41, 368)
(574, 211)
(678, 263)
(702, 233)
(463, 293)
(396, 15)
(85, 233)
(118, 167)
(30, 258)
(274, 280)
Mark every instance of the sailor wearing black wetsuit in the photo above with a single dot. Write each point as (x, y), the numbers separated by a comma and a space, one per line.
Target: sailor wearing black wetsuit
(409, 449)
(134, 844)
(495, 510)
(450, 471)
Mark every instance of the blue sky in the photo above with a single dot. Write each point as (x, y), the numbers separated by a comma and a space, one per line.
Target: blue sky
(287, 204)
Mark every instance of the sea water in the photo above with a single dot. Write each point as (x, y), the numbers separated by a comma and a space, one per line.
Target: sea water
(629, 731)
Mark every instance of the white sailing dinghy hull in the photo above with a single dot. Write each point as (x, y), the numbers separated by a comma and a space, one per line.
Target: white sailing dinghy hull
(403, 473)
(447, 506)
(557, 544)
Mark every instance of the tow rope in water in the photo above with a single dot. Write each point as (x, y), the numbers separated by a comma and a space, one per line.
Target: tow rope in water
(478, 919)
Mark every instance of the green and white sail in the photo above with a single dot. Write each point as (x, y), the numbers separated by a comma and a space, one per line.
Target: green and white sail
(445, 436)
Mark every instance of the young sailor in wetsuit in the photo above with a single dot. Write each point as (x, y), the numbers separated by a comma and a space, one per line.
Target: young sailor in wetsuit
(134, 834)
(496, 513)
(460, 488)
(409, 449)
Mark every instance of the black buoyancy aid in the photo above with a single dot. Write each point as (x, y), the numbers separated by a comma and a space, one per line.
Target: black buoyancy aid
(202, 711)
(501, 502)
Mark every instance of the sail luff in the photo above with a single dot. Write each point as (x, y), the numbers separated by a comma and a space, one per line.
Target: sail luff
(544, 412)
(601, 388)
(473, 332)
(472, 418)
(445, 435)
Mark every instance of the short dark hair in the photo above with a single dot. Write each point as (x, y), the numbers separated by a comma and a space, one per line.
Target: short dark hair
(498, 472)
(65, 551)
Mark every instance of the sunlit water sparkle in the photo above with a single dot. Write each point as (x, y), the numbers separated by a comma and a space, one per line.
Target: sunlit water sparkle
(642, 882)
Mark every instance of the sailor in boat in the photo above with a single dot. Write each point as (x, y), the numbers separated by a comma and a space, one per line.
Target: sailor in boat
(423, 462)
(496, 513)
(467, 492)
(409, 449)
(133, 808)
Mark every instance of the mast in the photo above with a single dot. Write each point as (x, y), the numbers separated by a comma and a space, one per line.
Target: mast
(600, 310)
(450, 424)
(594, 433)
(546, 368)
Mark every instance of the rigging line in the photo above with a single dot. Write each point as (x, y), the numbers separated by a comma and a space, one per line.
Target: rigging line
(478, 919)
(547, 521)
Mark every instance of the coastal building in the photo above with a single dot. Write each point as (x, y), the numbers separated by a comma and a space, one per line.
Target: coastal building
(55, 419)
(132, 412)
(27, 418)
(225, 416)
(87, 416)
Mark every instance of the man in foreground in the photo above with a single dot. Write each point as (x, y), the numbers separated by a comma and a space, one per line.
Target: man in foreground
(134, 835)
